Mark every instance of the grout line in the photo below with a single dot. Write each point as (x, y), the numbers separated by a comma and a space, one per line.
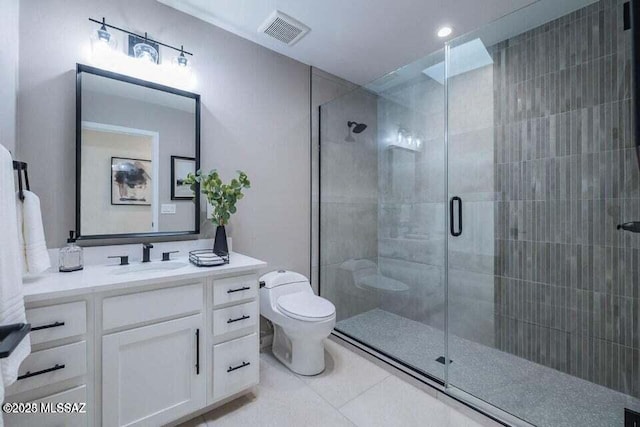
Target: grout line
(363, 392)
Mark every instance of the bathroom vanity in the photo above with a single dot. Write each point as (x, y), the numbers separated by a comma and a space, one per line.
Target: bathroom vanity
(143, 344)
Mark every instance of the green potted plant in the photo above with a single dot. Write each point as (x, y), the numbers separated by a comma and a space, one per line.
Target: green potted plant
(222, 198)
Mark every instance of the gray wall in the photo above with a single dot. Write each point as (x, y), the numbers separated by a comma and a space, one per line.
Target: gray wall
(566, 175)
(255, 117)
(8, 72)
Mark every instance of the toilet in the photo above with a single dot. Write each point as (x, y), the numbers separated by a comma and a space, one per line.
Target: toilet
(301, 320)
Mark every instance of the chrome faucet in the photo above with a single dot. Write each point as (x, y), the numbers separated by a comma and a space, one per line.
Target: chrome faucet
(146, 252)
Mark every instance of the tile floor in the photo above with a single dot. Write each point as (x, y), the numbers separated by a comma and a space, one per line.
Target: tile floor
(351, 392)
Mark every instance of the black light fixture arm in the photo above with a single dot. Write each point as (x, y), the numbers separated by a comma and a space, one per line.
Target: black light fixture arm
(104, 24)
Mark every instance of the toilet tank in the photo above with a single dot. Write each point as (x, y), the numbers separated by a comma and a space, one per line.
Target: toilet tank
(277, 283)
(282, 277)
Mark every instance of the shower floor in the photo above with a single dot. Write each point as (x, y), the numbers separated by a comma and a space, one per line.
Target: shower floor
(535, 393)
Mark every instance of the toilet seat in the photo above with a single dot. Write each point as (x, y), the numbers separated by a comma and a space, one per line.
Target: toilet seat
(306, 306)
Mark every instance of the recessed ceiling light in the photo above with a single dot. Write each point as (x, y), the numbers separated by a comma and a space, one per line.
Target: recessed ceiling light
(444, 32)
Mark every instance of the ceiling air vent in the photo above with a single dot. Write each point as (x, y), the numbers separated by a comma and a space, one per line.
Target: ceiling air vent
(282, 27)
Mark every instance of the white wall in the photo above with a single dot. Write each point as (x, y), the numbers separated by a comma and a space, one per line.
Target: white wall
(8, 72)
(255, 117)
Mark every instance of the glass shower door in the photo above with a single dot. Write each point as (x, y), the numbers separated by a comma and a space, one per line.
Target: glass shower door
(542, 288)
(382, 215)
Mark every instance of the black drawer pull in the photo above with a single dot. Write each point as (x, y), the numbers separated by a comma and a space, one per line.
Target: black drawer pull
(30, 374)
(245, 317)
(244, 288)
(50, 325)
(231, 369)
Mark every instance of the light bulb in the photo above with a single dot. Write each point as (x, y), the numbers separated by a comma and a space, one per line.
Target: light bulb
(181, 61)
(444, 32)
(146, 52)
(102, 38)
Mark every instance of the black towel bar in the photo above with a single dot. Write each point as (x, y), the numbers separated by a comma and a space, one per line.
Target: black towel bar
(21, 167)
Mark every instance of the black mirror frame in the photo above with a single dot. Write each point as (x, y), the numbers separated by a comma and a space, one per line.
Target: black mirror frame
(81, 68)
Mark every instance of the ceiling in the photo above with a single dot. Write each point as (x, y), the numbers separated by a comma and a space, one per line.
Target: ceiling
(358, 40)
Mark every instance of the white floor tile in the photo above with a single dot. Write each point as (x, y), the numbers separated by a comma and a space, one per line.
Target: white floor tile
(394, 402)
(281, 400)
(346, 376)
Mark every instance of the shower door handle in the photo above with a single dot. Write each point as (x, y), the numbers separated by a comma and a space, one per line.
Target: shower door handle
(452, 225)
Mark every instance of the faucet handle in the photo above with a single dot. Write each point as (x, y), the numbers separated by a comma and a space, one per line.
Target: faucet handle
(147, 245)
(124, 259)
(166, 256)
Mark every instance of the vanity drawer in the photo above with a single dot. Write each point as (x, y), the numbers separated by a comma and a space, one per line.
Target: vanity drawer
(57, 321)
(235, 366)
(75, 395)
(234, 289)
(151, 306)
(50, 366)
(235, 318)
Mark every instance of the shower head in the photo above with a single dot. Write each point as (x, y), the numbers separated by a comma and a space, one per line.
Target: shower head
(357, 127)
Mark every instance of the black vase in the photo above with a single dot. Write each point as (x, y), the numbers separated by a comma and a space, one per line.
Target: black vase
(220, 247)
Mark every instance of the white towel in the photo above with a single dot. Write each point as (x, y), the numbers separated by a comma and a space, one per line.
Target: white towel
(11, 297)
(35, 257)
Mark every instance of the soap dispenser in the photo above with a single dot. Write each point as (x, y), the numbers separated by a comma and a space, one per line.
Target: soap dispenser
(70, 257)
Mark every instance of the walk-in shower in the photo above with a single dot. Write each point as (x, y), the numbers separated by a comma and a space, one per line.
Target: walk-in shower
(475, 221)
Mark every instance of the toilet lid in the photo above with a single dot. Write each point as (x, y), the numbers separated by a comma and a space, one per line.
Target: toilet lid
(306, 306)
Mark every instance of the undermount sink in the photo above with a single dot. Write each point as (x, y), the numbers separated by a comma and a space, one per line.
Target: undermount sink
(149, 267)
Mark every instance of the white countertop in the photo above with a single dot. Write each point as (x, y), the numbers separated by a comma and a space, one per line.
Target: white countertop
(101, 278)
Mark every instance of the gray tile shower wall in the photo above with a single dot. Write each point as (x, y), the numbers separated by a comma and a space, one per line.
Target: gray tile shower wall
(348, 200)
(566, 286)
(411, 183)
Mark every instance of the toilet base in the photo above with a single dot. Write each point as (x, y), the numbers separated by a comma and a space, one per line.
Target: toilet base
(304, 356)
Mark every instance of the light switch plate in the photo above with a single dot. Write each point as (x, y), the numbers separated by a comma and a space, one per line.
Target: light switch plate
(168, 208)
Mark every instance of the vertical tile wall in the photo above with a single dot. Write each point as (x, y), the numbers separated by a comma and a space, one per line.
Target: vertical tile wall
(566, 286)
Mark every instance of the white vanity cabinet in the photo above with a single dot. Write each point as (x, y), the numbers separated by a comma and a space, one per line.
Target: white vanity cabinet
(58, 370)
(235, 324)
(153, 351)
(153, 374)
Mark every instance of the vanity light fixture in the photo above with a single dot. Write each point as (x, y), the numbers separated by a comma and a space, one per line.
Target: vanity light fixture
(444, 32)
(141, 57)
(144, 49)
(407, 140)
(181, 60)
(102, 37)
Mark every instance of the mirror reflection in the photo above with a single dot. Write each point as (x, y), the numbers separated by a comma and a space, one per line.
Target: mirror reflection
(137, 144)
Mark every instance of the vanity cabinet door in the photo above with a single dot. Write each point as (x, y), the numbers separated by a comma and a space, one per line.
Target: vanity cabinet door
(153, 374)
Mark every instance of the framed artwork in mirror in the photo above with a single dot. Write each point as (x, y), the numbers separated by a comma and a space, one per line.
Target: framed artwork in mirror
(131, 181)
(180, 167)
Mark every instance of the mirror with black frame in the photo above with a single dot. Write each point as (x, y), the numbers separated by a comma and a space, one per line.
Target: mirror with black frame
(135, 143)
